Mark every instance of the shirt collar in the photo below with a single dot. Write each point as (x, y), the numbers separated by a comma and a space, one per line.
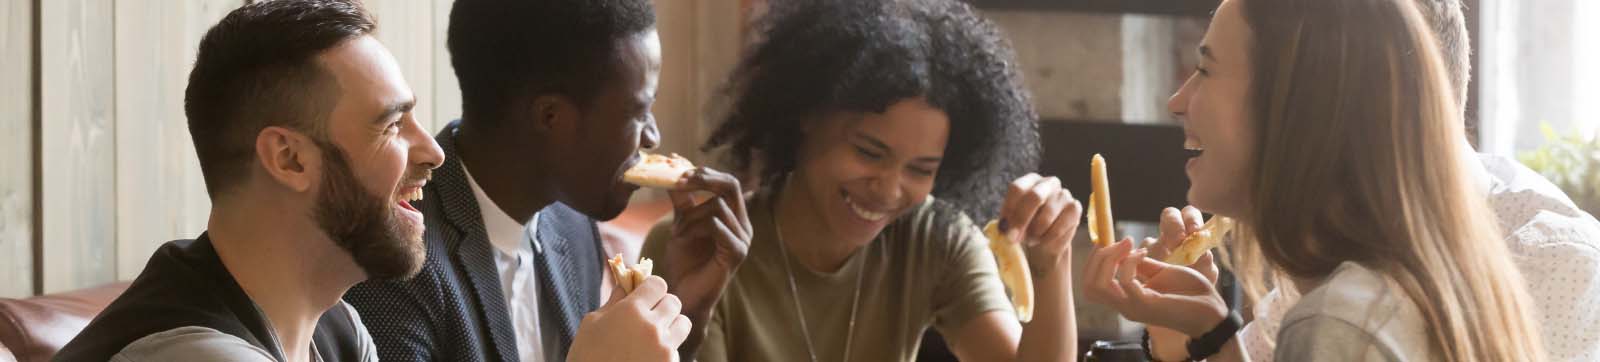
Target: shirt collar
(505, 233)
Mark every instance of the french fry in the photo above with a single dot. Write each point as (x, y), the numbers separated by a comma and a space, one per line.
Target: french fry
(1209, 236)
(1014, 273)
(1101, 226)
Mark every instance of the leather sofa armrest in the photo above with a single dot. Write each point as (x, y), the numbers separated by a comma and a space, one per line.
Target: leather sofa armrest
(34, 329)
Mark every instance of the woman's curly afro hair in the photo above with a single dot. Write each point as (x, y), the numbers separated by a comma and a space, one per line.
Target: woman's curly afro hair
(820, 57)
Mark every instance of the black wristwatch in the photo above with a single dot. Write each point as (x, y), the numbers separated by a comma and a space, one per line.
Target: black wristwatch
(1208, 344)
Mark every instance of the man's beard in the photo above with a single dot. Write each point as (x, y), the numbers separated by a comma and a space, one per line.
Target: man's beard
(366, 225)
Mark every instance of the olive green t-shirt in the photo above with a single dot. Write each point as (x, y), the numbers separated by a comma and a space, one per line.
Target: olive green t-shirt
(930, 267)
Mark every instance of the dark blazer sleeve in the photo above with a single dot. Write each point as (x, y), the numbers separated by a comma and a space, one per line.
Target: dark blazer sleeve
(397, 322)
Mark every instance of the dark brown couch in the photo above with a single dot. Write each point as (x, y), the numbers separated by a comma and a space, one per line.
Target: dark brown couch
(33, 329)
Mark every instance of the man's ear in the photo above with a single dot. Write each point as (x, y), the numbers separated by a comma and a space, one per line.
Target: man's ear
(554, 114)
(288, 157)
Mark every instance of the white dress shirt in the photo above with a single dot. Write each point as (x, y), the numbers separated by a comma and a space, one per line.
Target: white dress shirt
(514, 245)
(1555, 244)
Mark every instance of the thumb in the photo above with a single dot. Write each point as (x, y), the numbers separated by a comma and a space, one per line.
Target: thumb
(1148, 267)
(616, 291)
(1207, 267)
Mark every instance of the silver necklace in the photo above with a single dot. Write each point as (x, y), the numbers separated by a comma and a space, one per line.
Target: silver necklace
(794, 294)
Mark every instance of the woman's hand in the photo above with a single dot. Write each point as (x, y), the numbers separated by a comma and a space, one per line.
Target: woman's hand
(1149, 291)
(1043, 216)
(1167, 344)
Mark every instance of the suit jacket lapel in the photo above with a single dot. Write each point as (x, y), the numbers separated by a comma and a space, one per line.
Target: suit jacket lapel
(555, 269)
(473, 252)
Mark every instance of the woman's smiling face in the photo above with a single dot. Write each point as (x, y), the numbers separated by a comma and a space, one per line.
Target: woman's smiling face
(859, 171)
(1214, 107)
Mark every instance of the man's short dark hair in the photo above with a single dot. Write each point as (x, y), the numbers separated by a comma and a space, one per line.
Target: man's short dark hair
(257, 68)
(1449, 24)
(505, 50)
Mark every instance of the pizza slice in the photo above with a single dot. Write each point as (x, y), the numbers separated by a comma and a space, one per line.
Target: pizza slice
(658, 171)
(629, 277)
(1209, 236)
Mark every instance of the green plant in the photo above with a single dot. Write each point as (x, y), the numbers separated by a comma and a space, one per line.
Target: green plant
(1572, 163)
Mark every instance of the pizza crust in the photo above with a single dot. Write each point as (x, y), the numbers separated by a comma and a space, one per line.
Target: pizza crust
(1209, 236)
(658, 171)
(629, 277)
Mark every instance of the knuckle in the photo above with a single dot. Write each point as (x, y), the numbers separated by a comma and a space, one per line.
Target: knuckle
(655, 334)
(1016, 187)
(1039, 194)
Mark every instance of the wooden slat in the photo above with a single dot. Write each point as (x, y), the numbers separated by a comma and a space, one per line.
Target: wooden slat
(406, 28)
(1167, 7)
(700, 44)
(446, 88)
(1069, 76)
(77, 143)
(160, 193)
(675, 98)
(719, 36)
(16, 148)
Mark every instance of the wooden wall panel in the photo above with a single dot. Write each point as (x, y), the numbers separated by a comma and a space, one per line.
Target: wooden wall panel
(1071, 62)
(446, 89)
(160, 192)
(96, 165)
(17, 148)
(675, 101)
(78, 139)
(700, 45)
(406, 28)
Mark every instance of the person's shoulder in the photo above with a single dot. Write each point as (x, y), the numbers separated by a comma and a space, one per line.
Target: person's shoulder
(566, 215)
(1530, 207)
(935, 229)
(368, 349)
(935, 220)
(1358, 296)
(1324, 338)
(1561, 233)
(1356, 307)
(1350, 284)
(191, 343)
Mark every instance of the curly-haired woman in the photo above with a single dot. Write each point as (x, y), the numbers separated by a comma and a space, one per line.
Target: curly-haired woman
(881, 130)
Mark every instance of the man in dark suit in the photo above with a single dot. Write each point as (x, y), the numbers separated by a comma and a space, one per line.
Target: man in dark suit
(556, 104)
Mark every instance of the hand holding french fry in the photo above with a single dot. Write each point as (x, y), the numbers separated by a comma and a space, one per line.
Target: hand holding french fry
(1033, 235)
(1142, 288)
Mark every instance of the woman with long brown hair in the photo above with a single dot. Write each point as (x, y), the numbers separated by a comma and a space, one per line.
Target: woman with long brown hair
(1329, 130)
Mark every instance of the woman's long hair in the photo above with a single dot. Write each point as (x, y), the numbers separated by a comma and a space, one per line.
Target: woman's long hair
(1357, 159)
